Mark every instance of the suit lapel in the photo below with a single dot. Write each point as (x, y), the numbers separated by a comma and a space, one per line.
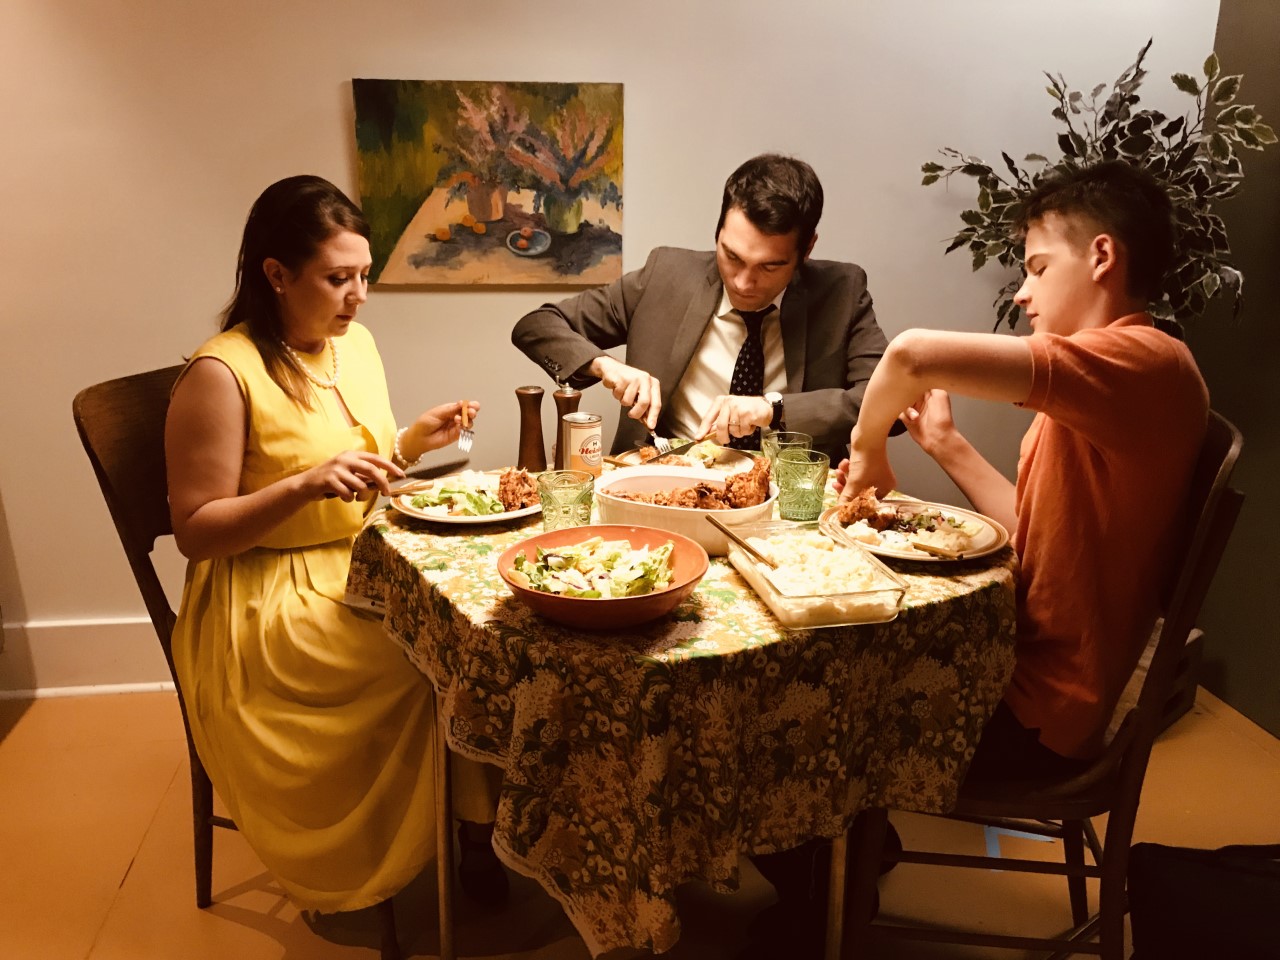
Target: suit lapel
(795, 331)
(693, 325)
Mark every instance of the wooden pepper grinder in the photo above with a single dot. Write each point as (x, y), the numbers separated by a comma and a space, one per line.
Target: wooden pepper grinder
(567, 400)
(533, 450)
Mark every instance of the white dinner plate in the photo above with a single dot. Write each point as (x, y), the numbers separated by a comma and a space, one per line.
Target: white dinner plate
(990, 537)
(404, 504)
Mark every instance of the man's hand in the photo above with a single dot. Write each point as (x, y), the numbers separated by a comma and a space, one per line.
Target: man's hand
(632, 387)
(732, 416)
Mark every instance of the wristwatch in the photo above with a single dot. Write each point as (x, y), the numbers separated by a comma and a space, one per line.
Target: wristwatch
(778, 422)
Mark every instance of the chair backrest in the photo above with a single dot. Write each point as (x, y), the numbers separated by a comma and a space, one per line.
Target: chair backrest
(121, 424)
(1115, 778)
(1211, 511)
(1212, 508)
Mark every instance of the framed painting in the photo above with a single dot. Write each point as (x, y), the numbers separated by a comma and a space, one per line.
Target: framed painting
(480, 182)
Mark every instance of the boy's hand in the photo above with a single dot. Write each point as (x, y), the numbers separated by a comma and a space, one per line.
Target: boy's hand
(867, 466)
(929, 421)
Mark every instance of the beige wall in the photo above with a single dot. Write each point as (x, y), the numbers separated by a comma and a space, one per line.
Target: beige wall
(136, 134)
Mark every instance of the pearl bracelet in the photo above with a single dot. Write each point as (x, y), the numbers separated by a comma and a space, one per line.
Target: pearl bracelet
(398, 458)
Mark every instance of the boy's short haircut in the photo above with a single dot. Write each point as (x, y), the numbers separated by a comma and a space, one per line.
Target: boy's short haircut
(1119, 199)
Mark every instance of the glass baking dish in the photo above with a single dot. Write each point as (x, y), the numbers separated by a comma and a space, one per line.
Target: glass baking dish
(789, 592)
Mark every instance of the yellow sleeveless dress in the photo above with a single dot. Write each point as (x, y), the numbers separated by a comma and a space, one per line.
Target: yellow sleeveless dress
(318, 735)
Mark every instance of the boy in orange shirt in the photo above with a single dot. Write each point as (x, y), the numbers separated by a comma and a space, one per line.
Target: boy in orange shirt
(1103, 470)
(1103, 473)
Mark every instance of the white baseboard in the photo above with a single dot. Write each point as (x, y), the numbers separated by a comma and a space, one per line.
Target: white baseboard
(97, 690)
(72, 657)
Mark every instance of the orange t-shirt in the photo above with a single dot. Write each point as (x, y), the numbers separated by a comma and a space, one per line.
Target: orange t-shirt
(1102, 479)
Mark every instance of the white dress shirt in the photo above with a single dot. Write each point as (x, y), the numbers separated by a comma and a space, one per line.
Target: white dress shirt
(711, 368)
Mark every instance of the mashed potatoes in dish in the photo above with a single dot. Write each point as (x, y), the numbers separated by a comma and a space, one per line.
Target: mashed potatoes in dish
(817, 583)
(809, 563)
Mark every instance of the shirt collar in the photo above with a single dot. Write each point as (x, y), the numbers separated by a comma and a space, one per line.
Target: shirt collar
(726, 307)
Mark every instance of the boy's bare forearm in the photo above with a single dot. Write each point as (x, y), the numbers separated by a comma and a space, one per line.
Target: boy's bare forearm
(990, 491)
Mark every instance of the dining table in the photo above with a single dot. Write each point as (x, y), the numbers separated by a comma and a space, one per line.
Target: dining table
(636, 760)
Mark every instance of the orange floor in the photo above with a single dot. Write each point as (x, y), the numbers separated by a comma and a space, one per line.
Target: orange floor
(95, 852)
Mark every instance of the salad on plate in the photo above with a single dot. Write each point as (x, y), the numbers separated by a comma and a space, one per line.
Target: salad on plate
(469, 494)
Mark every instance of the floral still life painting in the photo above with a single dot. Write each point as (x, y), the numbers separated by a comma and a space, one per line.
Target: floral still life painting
(478, 182)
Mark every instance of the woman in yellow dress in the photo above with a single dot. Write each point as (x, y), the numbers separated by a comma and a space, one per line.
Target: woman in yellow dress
(317, 733)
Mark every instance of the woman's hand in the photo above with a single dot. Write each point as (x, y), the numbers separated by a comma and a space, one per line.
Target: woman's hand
(351, 475)
(437, 427)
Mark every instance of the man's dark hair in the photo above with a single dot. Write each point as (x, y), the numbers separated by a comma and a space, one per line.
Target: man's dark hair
(778, 194)
(1119, 199)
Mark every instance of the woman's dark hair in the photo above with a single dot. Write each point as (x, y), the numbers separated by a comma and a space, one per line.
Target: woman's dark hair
(1122, 200)
(288, 222)
(777, 194)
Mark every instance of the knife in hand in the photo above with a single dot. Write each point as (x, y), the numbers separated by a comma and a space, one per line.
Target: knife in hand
(672, 452)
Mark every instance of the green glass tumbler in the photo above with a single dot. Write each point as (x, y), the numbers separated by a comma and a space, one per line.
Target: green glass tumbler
(771, 441)
(566, 497)
(802, 483)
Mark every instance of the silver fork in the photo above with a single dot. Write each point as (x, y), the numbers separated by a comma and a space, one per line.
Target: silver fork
(466, 437)
(661, 444)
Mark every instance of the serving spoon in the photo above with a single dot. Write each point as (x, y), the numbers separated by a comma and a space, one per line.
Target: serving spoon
(728, 532)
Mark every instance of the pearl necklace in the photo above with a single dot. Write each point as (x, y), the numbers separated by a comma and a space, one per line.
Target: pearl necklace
(306, 368)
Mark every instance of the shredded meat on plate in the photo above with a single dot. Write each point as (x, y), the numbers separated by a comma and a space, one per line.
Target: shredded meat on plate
(516, 489)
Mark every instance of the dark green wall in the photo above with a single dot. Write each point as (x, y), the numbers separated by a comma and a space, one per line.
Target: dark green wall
(1241, 362)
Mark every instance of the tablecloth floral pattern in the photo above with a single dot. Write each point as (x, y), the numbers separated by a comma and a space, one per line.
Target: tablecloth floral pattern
(634, 762)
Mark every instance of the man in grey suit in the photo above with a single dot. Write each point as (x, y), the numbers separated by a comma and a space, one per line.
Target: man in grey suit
(721, 344)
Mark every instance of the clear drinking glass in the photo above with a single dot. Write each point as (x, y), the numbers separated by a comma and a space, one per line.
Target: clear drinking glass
(802, 483)
(771, 441)
(566, 497)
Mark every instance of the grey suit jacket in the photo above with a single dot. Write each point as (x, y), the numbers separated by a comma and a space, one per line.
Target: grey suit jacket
(830, 337)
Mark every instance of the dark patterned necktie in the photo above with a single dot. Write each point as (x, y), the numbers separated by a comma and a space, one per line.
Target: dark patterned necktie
(748, 372)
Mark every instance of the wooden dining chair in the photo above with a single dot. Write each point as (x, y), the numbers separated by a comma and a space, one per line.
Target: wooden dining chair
(1062, 809)
(121, 424)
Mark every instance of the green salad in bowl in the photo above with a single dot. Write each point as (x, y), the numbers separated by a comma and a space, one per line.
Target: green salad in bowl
(595, 569)
(607, 577)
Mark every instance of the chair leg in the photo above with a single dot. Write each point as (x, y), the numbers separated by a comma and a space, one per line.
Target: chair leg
(1073, 851)
(444, 834)
(866, 853)
(390, 947)
(1113, 902)
(201, 812)
(835, 897)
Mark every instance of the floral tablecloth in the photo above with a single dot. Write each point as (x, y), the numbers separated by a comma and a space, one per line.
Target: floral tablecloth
(634, 762)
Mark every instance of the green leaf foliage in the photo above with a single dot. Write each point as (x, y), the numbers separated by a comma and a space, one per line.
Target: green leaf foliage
(1225, 90)
(1194, 156)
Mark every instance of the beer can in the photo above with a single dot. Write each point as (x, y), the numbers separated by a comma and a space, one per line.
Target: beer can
(580, 441)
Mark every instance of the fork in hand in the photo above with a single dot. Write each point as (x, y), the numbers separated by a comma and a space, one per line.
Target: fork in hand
(661, 444)
(466, 437)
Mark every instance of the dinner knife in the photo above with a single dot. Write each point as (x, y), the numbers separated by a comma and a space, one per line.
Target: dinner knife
(672, 452)
(420, 479)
